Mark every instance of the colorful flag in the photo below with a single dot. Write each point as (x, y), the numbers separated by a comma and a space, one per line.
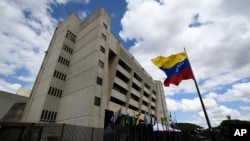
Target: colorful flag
(118, 113)
(133, 122)
(164, 121)
(113, 117)
(175, 66)
(155, 117)
(127, 118)
(174, 121)
(145, 117)
(151, 119)
(170, 117)
(138, 118)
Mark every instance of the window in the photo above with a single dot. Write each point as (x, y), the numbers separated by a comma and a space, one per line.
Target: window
(136, 76)
(136, 98)
(101, 64)
(136, 87)
(60, 75)
(71, 36)
(63, 61)
(99, 80)
(120, 89)
(147, 86)
(153, 100)
(145, 94)
(105, 26)
(55, 92)
(67, 48)
(97, 101)
(102, 49)
(122, 76)
(124, 65)
(104, 37)
(117, 101)
(48, 116)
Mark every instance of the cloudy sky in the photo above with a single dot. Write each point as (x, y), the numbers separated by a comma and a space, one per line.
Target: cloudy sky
(215, 33)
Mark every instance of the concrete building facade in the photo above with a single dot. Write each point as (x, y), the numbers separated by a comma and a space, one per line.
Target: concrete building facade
(87, 73)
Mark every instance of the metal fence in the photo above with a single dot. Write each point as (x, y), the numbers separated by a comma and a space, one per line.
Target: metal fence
(17, 131)
(48, 132)
(142, 133)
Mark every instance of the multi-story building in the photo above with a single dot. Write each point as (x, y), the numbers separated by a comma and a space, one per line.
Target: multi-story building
(86, 74)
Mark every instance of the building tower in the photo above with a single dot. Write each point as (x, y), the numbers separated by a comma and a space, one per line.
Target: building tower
(87, 73)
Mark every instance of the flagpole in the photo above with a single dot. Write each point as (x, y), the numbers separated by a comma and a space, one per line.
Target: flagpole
(202, 104)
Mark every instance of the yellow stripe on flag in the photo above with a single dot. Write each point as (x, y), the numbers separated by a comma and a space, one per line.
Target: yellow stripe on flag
(170, 61)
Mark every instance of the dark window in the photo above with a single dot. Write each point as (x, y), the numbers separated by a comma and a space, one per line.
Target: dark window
(144, 103)
(101, 64)
(54, 118)
(117, 101)
(105, 26)
(102, 49)
(120, 89)
(137, 77)
(122, 77)
(71, 36)
(152, 107)
(45, 115)
(124, 65)
(154, 92)
(146, 94)
(147, 86)
(42, 116)
(153, 100)
(97, 101)
(136, 87)
(99, 80)
(133, 107)
(104, 37)
(136, 98)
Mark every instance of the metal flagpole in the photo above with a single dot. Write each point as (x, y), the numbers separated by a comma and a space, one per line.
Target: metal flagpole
(202, 104)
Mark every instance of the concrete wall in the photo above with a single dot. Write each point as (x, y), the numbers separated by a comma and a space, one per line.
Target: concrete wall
(7, 101)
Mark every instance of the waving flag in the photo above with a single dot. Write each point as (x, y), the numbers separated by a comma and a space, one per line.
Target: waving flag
(138, 118)
(145, 117)
(175, 66)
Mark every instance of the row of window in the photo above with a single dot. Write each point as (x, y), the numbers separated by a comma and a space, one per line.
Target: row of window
(119, 89)
(48, 116)
(55, 91)
(71, 36)
(59, 75)
(63, 61)
(67, 48)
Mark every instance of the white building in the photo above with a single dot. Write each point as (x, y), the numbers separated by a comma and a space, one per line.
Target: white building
(87, 73)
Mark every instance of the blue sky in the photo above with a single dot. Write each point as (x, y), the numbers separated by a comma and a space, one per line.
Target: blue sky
(215, 34)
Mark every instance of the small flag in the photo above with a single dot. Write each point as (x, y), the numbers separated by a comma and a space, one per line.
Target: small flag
(118, 114)
(127, 118)
(151, 119)
(138, 118)
(155, 117)
(145, 117)
(133, 120)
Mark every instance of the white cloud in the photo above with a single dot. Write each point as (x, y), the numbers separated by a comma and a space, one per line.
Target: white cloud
(239, 92)
(215, 112)
(25, 31)
(9, 87)
(218, 51)
(83, 15)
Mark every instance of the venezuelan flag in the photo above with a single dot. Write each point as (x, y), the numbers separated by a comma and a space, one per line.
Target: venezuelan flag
(175, 66)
